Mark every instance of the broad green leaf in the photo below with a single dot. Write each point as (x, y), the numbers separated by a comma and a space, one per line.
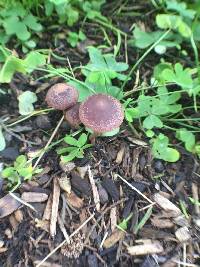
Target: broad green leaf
(32, 23)
(71, 140)
(20, 161)
(152, 121)
(7, 172)
(181, 8)
(82, 140)
(165, 21)
(187, 137)
(144, 39)
(131, 113)
(170, 155)
(26, 172)
(179, 75)
(11, 65)
(33, 60)
(70, 157)
(65, 149)
(84, 91)
(26, 101)
(161, 149)
(2, 140)
(73, 16)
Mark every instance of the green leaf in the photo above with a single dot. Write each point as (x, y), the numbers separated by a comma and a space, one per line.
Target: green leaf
(181, 8)
(82, 140)
(32, 23)
(33, 60)
(161, 149)
(180, 76)
(143, 220)
(131, 113)
(83, 90)
(26, 172)
(144, 39)
(2, 140)
(20, 161)
(65, 149)
(73, 16)
(26, 101)
(11, 65)
(170, 155)
(152, 121)
(8, 172)
(70, 157)
(187, 137)
(71, 140)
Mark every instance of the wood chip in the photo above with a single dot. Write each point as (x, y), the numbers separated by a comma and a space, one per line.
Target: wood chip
(82, 171)
(137, 142)
(65, 183)
(67, 167)
(94, 189)
(114, 238)
(47, 264)
(162, 222)
(167, 205)
(47, 211)
(74, 200)
(31, 197)
(183, 234)
(19, 215)
(113, 218)
(82, 185)
(43, 224)
(111, 188)
(154, 247)
(2, 250)
(8, 205)
(54, 209)
(120, 155)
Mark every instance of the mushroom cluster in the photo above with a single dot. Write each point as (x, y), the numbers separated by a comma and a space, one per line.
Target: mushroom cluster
(99, 113)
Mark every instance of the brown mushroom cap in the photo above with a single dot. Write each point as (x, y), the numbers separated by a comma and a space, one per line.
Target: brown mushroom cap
(101, 113)
(72, 116)
(62, 96)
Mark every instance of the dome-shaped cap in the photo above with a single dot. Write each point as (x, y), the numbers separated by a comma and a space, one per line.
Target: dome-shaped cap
(62, 96)
(101, 113)
(72, 116)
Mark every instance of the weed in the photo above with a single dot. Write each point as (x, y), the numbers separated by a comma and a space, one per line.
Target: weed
(21, 169)
(75, 149)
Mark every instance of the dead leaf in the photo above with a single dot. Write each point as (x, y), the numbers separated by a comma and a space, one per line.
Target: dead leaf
(34, 197)
(154, 247)
(114, 238)
(74, 200)
(8, 205)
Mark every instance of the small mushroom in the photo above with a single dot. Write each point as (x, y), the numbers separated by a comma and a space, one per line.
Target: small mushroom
(101, 113)
(62, 96)
(72, 116)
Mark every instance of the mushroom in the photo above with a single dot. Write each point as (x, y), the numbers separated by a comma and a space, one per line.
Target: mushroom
(101, 113)
(72, 116)
(62, 96)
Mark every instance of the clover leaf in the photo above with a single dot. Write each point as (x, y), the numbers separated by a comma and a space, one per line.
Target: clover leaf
(26, 101)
